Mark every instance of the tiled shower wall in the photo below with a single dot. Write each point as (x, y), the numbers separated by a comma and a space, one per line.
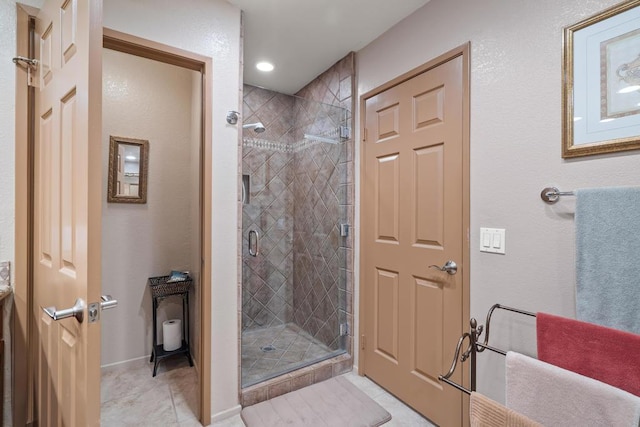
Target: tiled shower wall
(267, 279)
(323, 277)
(300, 192)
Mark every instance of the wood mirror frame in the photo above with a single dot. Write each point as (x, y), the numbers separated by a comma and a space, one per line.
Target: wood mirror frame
(116, 192)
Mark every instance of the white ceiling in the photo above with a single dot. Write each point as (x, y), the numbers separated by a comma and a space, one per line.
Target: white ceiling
(303, 38)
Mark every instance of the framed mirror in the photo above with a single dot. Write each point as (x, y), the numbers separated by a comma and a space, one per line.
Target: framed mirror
(128, 165)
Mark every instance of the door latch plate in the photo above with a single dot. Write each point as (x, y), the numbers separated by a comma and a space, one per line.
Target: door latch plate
(94, 312)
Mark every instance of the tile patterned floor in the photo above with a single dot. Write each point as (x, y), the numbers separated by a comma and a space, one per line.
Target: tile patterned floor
(132, 397)
(292, 348)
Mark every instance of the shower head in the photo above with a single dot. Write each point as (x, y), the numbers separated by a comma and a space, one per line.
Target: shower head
(257, 127)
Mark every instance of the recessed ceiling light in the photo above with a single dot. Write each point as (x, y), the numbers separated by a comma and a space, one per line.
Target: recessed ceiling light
(264, 66)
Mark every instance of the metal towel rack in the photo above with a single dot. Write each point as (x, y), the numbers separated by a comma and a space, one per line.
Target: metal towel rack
(552, 194)
(475, 347)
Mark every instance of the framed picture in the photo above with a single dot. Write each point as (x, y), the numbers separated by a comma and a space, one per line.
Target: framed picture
(601, 83)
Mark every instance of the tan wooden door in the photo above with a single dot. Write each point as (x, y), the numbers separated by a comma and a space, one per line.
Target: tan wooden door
(412, 217)
(67, 210)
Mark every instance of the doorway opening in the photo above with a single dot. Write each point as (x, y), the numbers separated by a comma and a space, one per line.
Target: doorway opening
(165, 92)
(151, 134)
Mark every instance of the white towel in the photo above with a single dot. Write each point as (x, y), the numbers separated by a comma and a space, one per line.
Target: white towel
(553, 396)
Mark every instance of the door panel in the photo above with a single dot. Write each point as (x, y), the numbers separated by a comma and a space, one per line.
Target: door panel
(386, 321)
(428, 181)
(388, 185)
(412, 217)
(67, 194)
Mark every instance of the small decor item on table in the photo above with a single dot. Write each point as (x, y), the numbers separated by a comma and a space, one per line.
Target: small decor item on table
(178, 276)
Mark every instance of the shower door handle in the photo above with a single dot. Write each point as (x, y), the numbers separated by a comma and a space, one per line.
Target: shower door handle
(254, 249)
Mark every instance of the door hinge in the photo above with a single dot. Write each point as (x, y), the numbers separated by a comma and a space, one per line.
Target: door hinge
(363, 342)
(30, 64)
(364, 137)
(30, 74)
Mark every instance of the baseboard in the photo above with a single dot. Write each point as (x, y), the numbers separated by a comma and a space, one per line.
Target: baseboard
(131, 363)
(228, 413)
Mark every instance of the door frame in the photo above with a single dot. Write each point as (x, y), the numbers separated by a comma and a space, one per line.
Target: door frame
(463, 51)
(23, 329)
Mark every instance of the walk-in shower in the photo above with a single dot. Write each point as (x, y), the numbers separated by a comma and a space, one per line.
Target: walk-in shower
(294, 223)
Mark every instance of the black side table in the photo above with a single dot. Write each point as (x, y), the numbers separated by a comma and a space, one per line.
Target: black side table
(160, 290)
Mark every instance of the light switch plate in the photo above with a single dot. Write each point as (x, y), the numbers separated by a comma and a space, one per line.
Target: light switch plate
(492, 240)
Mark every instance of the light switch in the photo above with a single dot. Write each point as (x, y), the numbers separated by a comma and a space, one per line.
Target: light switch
(486, 240)
(492, 240)
(496, 241)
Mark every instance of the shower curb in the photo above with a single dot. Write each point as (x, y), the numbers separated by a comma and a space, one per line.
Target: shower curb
(296, 380)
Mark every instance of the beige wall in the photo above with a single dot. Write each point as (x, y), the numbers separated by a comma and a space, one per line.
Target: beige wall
(149, 100)
(515, 151)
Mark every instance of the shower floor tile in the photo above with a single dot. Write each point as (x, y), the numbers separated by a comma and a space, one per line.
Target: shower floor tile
(290, 347)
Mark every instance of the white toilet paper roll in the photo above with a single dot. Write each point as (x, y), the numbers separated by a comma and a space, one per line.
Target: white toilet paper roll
(171, 334)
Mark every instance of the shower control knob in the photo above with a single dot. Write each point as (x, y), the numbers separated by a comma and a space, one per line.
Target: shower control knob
(450, 267)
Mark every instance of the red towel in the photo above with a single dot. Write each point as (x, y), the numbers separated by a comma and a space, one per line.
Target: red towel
(608, 355)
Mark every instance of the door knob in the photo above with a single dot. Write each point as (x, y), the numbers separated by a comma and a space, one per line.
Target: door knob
(450, 267)
(76, 311)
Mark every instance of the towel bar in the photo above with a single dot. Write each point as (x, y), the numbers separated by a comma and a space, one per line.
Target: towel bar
(552, 194)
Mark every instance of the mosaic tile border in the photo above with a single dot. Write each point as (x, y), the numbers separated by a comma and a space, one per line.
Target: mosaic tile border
(265, 144)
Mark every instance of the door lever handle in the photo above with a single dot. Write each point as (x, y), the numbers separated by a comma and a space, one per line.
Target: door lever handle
(76, 311)
(107, 301)
(450, 267)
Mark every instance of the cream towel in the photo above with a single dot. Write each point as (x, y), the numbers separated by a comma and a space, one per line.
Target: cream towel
(556, 397)
(484, 412)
